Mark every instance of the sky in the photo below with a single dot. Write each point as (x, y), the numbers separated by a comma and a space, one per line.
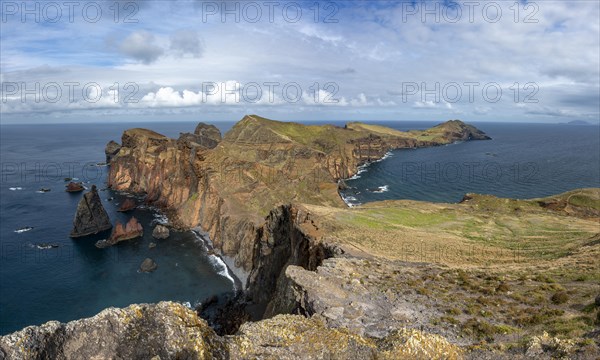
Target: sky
(78, 61)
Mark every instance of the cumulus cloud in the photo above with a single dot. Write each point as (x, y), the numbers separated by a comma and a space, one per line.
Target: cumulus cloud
(187, 42)
(370, 54)
(141, 46)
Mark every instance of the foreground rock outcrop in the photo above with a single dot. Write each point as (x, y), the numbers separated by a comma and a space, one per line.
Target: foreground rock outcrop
(171, 331)
(167, 330)
(91, 217)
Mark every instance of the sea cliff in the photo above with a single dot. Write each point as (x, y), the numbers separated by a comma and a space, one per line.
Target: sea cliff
(485, 278)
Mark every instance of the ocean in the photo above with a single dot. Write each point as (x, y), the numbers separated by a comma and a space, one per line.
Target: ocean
(521, 161)
(76, 279)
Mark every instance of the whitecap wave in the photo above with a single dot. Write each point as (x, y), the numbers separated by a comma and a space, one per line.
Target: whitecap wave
(160, 218)
(17, 188)
(24, 229)
(351, 201)
(217, 263)
(221, 268)
(387, 155)
(382, 189)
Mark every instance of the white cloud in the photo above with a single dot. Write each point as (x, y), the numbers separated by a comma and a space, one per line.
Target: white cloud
(369, 53)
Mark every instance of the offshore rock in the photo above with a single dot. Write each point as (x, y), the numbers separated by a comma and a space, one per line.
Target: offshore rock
(91, 217)
(160, 232)
(148, 265)
(131, 230)
(74, 187)
(167, 330)
(127, 205)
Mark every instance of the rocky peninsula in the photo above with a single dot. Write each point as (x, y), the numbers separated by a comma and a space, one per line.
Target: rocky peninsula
(485, 278)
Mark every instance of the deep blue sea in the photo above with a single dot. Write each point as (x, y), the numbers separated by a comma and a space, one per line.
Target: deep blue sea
(521, 161)
(78, 280)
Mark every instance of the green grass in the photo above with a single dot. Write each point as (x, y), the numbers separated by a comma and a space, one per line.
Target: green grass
(585, 201)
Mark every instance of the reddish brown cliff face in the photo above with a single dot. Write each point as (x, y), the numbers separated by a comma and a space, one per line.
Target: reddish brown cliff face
(229, 187)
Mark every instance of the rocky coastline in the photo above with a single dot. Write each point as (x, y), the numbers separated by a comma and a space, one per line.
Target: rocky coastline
(317, 285)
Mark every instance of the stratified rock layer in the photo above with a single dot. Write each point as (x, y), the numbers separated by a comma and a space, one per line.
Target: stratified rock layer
(91, 217)
(228, 190)
(133, 229)
(111, 149)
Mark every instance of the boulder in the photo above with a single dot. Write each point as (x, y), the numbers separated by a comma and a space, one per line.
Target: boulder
(148, 265)
(91, 217)
(160, 232)
(127, 205)
(111, 149)
(74, 187)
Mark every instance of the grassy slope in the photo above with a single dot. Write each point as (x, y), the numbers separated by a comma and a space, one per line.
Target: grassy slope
(501, 270)
(508, 228)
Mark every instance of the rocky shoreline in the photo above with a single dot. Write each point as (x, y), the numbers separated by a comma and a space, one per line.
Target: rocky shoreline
(267, 196)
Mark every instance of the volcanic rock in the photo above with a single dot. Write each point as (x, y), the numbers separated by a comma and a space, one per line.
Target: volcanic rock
(91, 217)
(74, 187)
(160, 232)
(131, 230)
(112, 148)
(148, 265)
(209, 135)
(127, 205)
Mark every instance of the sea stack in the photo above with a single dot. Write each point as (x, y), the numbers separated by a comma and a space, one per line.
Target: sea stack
(131, 230)
(91, 217)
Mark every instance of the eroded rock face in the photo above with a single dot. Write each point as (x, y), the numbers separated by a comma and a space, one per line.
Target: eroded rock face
(91, 217)
(228, 190)
(111, 149)
(169, 330)
(133, 229)
(166, 329)
(127, 205)
(209, 134)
